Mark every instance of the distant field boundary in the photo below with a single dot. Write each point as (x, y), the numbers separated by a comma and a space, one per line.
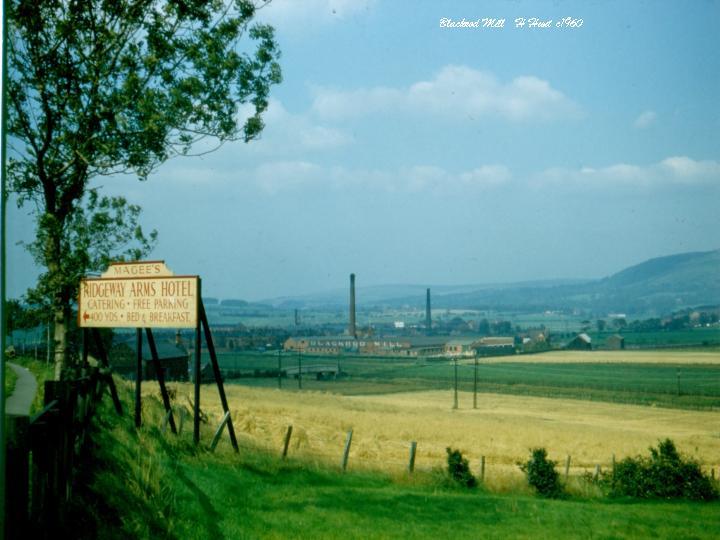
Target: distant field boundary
(633, 356)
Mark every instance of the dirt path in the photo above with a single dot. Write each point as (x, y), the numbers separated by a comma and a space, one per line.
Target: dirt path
(21, 399)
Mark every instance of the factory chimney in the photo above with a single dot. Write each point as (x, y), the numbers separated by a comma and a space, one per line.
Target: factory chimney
(428, 317)
(351, 327)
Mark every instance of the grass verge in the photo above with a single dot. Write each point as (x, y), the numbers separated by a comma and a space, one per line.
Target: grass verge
(149, 484)
(9, 381)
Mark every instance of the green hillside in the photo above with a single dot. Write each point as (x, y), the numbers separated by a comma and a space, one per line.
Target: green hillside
(149, 484)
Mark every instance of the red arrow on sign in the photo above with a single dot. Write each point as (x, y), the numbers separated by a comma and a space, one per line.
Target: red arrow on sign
(86, 316)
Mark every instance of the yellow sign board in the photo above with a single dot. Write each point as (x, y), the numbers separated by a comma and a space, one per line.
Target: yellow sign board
(152, 299)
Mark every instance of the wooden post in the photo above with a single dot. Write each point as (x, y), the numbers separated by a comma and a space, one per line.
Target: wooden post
(455, 399)
(161, 379)
(85, 336)
(279, 369)
(482, 468)
(475, 381)
(346, 452)
(597, 472)
(196, 406)
(138, 377)
(218, 375)
(286, 445)
(567, 468)
(299, 371)
(106, 364)
(218, 433)
(613, 465)
(413, 450)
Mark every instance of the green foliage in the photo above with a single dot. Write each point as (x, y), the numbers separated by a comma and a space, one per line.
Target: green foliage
(459, 468)
(100, 230)
(663, 475)
(145, 484)
(9, 381)
(541, 474)
(97, 88)
(21, 316)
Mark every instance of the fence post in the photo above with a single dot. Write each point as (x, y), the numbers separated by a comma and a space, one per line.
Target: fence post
(346, 452)
(455, 395)
(567, 468)
(413, 450)
(288, 434)
(482, 468)
(16, 476)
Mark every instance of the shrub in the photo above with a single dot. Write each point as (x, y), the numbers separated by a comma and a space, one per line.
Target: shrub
(459, 469)
(664, 475)
(541, 474)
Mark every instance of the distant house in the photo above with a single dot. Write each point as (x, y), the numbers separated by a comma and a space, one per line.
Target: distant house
(174, 360)
(460, 347)
(494, 346)
(581, 342)
(615, 342)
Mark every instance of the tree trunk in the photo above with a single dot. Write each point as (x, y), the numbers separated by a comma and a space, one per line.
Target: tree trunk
(60, 342)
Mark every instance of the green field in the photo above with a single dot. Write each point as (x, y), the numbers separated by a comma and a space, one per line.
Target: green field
(145, 484)
(663, 384)
(707, 337)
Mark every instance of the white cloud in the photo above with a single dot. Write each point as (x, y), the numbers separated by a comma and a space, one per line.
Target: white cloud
(455, 91)
(645, 120)
(273, 177)
(672, 171)
(290, 175)
(287, 132)
(684, 169)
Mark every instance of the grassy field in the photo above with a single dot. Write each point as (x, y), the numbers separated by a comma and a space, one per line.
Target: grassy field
(662, 378)
(502, 428)
(143, 484)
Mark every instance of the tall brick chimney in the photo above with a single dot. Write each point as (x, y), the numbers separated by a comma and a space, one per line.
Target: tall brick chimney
(351, 327)
(428, 316)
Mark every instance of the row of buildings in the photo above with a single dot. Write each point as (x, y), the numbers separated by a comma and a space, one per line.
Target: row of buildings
(440, 346)
(414, 346)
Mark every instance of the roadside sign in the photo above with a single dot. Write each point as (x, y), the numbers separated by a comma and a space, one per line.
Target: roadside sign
(146, 296)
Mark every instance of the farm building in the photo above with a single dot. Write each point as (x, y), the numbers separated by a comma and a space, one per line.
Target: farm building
(615, 342)
(376, 346)
(494, 346)
(581, 342)
(460, 347)
(174, 358)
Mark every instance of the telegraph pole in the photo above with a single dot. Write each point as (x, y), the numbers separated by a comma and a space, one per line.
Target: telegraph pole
(455, 401)
(3, 259)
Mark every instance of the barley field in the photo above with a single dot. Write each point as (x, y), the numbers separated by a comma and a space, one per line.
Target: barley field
(612, 357)
(503, 428)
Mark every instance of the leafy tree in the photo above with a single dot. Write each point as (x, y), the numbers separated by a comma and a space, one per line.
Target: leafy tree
(541, 474)
(20, 316)
(665, 474)
(100, 87)
(459, 468)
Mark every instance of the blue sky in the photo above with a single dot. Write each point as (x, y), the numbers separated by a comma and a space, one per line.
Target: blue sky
(410, 153)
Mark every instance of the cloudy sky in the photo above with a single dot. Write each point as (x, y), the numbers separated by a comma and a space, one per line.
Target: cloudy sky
(410, 152)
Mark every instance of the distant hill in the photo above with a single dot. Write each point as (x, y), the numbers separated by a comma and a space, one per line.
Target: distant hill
(655, 287)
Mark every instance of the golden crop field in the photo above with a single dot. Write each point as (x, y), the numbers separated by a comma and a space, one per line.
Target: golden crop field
(503, 428)
(611, 357)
